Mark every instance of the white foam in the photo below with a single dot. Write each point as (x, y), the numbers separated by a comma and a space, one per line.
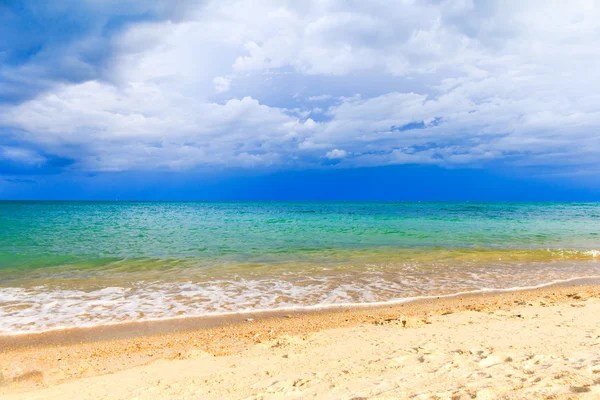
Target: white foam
(593, 253)
(44, 308)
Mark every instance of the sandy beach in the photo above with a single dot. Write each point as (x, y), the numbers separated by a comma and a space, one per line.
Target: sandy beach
(321, 199)
(542, 343)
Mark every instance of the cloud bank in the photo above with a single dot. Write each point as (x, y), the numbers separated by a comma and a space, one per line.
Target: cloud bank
(291, 84)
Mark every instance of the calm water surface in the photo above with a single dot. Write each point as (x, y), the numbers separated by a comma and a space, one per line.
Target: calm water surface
(65, 264)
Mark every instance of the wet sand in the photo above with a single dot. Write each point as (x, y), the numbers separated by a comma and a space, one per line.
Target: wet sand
(533, 344)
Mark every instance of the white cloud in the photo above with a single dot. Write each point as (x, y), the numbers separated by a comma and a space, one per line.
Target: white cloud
(222, 84)
(140, 126)
(21, 155)
(335, 154)
(457, 82)
(321, 97)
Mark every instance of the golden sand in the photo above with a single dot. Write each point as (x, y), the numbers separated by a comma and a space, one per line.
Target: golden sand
(542, 343)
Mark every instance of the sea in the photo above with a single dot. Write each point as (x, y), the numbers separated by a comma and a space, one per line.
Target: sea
(82, 264)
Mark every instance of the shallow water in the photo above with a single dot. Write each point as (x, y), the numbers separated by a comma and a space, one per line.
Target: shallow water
(65, 264)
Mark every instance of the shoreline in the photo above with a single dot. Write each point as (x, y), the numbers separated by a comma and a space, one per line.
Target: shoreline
(44, 360)
(141, 328)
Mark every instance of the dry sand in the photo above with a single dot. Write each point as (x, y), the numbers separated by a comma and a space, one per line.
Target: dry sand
(543, 343)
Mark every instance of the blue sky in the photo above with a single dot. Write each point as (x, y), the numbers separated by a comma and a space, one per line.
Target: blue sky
(431, 100)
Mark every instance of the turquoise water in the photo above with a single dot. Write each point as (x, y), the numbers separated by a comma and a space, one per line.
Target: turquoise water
(68, 264)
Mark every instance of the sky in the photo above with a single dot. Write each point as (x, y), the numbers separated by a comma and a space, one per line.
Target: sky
(290, 100)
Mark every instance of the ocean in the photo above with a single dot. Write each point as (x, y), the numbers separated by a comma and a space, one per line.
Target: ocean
(76, 264)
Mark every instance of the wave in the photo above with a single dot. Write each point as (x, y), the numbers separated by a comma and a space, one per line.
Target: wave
(41, 309)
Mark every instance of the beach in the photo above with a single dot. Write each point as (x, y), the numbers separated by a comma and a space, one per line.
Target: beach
(541, 343)
(342, 300)
(321, 199)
